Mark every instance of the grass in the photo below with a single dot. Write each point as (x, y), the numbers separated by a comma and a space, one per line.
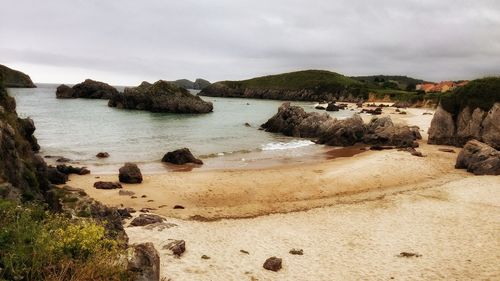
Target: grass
(307, 79)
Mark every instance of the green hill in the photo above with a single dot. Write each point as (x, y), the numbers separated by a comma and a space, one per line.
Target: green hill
(15, 79)
(389, 81)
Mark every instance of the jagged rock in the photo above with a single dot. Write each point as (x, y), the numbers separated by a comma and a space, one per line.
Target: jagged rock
(180, 157)
(178, 247)
(381, 131)
(107, 185)
(273, 264)
(90, 89)
(55, 176)
(294, 121)
(145, 219)
(161, 96)
(468, 124)
(144, 262)
(27, 129)
(130, 173)
(491, 127)
(72, 170)
(65, 92)
(102, 155)
(479, 158)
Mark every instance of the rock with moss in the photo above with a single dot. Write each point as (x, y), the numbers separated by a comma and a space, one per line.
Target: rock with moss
(162, 96)
(469, 112)
(15, 79)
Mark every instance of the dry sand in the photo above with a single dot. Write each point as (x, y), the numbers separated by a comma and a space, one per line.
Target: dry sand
(352, 216)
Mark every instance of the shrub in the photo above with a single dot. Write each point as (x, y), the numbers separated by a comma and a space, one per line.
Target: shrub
(482, 93)
(37, 245)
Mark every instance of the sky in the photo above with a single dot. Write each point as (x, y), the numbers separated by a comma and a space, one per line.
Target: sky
(124, 42)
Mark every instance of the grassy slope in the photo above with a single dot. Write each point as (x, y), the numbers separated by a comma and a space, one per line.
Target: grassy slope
(482, 93)
(307, 79)
(15, 79)
(403, 81)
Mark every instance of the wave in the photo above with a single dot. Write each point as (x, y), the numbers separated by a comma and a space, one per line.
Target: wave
(286, 145)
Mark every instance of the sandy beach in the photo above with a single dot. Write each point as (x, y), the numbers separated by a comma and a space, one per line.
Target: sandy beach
(352, 216)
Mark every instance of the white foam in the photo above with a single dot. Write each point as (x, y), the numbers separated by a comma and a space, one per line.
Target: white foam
(286, 145)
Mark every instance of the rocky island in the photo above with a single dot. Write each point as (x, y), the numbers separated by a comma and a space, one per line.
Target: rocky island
(198, 84)
(15, 79)
(162, 96)
(88, 89)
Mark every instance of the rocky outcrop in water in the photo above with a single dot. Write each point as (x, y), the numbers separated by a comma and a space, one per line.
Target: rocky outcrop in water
(88, 89)
(479, 158)
(161, 96)
(294, 121)
(65, 92)
(14, 78)
(199, 84)
(467, 125)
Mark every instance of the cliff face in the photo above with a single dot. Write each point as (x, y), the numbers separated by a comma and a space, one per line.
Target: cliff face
(22, 172)
(15, 79)
(471, 113)
(161, 96)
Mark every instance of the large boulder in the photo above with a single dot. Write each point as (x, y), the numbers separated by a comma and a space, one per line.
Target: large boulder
(479, 158)
(161, 96)
(65, 92)
(491, 127)
(381, 131)
(90, 89)
(130, 173)
(180, 157)
(55, 176)
(342, 132)
(144, 262)
(442, 129)
(107, 185)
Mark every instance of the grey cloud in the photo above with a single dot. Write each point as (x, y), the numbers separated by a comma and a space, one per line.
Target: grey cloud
(126, 41)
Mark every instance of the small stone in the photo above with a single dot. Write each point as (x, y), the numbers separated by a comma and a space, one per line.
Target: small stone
(145, 219)
(299, 252)
(409, 255)
(449, 150)
(273, 264)
(102, 155)
(176, 246)
(126, 193)
(205, 257)
(245, 252)
(107, 185)
(178, 207)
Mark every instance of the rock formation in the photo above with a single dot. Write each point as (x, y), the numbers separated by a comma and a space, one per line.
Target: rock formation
(161, 96)
(145, 219)
(273, 264)
(470, 112)
(65, 92)
(294, 121)
(130, 173)
(144, 262)
(479, 158)
(107, 185)
(199, 84)
(180, 157)
(89, 89)
(15, 79)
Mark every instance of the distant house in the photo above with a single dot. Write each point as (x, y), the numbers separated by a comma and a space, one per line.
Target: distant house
(426, 87)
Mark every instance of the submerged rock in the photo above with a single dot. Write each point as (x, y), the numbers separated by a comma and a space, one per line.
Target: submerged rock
(102, 155)
(479, 158)
(273, 264)
(130, 173)
(180, 157)
(144, 262)
(161, 96)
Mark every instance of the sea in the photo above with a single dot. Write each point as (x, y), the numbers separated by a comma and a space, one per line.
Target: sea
(78, 129)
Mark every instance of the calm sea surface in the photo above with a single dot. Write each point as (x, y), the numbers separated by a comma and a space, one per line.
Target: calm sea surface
(79, 128)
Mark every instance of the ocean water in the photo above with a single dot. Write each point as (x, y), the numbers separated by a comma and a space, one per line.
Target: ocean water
(80, 128)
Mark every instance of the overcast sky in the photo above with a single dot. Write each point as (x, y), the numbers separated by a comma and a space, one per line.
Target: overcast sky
(127, 41)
